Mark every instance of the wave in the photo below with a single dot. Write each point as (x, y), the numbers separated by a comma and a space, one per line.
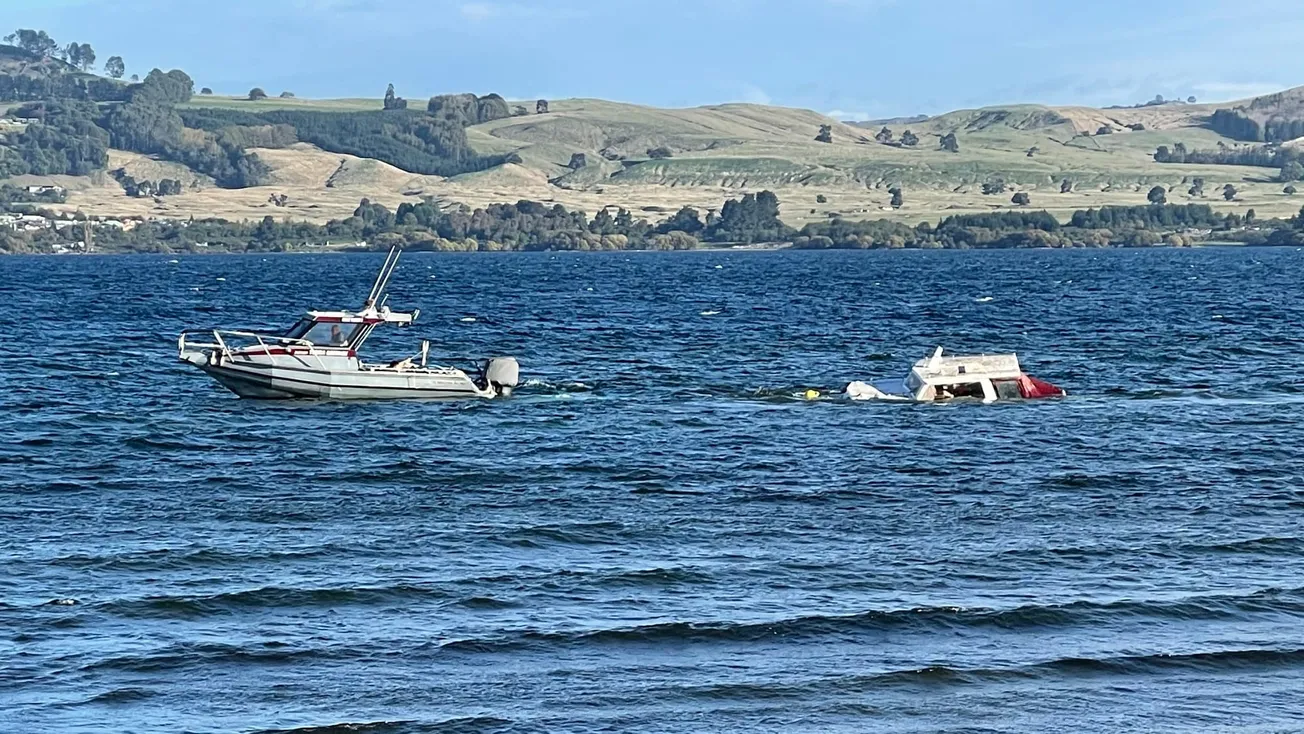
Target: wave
(921, 618)
(346, 727)
(187, 654)
(1246, 393)
(537, 386)
(129, 694)
(461, 725)
(944, 675)
(1218, 661)
(235, 602)
(604, 579)
(1268, 544)
(169, 558)
(658, 576)
(580, 533)
(775, 394)
(932, 675)
(484, 602)
(667, 491)
(265, 598)
(36, 442)
(165, 444)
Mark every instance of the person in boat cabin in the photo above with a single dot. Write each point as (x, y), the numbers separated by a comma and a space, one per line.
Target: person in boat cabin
(337, 337)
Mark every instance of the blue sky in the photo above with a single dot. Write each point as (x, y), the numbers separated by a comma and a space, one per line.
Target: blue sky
(854, 58)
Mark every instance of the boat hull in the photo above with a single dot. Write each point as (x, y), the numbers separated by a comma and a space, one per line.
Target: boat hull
(317, 358)
(267, 382)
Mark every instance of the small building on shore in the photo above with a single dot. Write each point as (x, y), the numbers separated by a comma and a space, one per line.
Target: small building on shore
(47, 189)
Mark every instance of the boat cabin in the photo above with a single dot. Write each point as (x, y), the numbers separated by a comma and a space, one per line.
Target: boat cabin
(977, 376)
(344, 329)
(987, 377)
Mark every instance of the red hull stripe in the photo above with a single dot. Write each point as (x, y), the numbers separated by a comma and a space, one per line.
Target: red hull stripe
(341, 320)
(293, 351)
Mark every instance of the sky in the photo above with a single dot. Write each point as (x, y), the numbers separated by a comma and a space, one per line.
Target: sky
(854, 59)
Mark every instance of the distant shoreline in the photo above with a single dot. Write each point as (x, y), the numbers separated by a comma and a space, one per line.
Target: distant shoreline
(710, 250)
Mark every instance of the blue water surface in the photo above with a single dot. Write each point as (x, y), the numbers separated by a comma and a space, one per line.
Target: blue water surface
(657, 533)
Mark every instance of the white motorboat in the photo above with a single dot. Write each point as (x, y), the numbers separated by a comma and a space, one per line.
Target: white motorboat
(987, 377)
(318, 358)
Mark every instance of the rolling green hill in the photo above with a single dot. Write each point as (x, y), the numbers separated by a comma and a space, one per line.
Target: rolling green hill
(720, 150)
(590, 154)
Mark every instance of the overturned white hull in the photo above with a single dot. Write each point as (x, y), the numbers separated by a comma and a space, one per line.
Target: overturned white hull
(892, 389)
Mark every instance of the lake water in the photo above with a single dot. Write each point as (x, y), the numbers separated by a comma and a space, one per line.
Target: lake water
(656, 533)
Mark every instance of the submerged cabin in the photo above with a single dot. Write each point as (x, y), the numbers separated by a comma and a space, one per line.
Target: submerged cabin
(986, 377)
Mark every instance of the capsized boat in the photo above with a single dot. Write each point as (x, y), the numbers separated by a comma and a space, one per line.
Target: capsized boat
(318, 358)
(987, 377)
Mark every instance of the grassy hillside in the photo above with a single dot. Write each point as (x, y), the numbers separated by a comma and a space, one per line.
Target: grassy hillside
(279, 103)
(720, 151)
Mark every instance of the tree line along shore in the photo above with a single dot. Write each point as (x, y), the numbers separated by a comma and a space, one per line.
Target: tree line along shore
(533, 226)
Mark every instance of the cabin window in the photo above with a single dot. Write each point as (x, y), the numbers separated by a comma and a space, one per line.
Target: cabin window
(960, 390)
(330, 333)
(297, 331)
(1007, 389)
(968, 390)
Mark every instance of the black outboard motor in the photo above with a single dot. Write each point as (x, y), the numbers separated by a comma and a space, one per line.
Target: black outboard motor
(502, 374)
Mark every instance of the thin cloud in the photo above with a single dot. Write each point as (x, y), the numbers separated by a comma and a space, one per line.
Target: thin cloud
(478, 12)
(1220, 91)
(860, 4)
(753, 94)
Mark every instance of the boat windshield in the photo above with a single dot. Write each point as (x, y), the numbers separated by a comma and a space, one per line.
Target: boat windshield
(913, 382)
(325, 333)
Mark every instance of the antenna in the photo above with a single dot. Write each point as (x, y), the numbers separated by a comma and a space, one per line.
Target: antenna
(382, 278)
(393, 265)
(371, 295)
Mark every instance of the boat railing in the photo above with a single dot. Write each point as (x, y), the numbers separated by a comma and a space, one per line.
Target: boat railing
(220, 337)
